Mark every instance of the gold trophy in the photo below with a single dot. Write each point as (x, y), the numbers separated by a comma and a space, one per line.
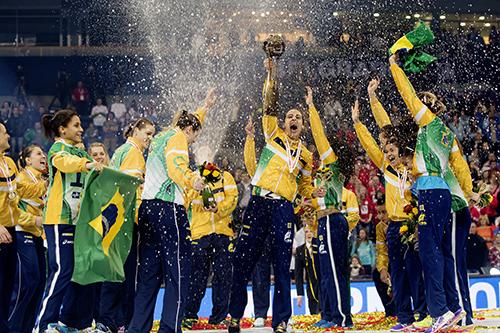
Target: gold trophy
(274, 47)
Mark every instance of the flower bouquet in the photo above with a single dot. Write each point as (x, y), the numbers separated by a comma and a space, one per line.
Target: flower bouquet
(210, 175)
(409, 228)
(485, 196)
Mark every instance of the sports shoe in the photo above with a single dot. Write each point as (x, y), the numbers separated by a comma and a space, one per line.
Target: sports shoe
(320, 323)
(457, 316)
(281, 328)
(259, 322)
(187, 323)
(423, 324)
(329, 324)
(101, 328)
(60, 328)
(440, 322)
(233, 326)
(400, 327)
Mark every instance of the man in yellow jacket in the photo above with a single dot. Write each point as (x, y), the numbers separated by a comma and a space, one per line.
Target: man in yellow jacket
(211, 236)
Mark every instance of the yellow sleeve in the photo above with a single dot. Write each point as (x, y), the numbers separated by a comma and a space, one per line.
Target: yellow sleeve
(369, 144)
(305, 186)
(68, 163)
(461, 169)
(379, 113)
(133, 164)
(26, 219)
(226, 207)
(352, 210)
(31, 190)
(27, 189)
(270, 126)
(422, 115)
(382, 261)
(200, 113)
(249, 156)
(324, 149)
(177, 159)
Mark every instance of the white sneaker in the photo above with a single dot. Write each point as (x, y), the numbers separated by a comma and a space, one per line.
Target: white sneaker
(259, 322)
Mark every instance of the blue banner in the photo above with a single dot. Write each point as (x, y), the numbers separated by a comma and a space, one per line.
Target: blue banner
(484, 293)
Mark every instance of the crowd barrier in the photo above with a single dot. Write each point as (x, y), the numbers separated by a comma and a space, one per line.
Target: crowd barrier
(485, 294)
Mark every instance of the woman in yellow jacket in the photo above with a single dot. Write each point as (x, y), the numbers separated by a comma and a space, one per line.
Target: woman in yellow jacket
(117, 298)
(10, 192)
(67, 165)
(211, 236)
(284, 169)
(406, 269)
(30, 250)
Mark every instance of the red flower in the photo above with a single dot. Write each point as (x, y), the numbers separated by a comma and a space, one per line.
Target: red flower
(408, 209)
(210, 166)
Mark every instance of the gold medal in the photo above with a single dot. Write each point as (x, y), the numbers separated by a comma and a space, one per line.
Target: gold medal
(12, 195)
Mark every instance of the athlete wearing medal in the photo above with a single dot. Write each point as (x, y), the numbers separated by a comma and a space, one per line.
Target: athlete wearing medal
(31, 270)
(284, 169)
(10, 188)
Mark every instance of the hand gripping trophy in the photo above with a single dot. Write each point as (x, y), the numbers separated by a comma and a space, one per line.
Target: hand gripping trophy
(274, 47)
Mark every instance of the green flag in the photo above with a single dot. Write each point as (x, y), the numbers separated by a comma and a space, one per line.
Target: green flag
(409, 49)
(103, 235)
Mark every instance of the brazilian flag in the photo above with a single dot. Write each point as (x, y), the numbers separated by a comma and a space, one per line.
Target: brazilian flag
(104, 227)
(409, 47)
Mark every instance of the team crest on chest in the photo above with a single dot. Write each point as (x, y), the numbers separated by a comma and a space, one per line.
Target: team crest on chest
(445, 140)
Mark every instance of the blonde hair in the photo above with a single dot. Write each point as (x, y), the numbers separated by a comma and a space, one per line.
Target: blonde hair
(101, 145)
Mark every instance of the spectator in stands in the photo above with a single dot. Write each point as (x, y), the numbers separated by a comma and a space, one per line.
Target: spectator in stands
(16, 127)
(39, 138)
(457, 127)
(5, 111)
(80, 98)
(476, 250)
(118, 108)
(494, 254)
(365, 250)
(366, 212)
(41, 111)
(485, 230)
(357, 269)
(99, 114)
(91, 135)
(110, 132)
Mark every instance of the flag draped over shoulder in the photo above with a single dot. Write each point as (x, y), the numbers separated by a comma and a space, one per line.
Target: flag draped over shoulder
(409, 47)
(104, 226)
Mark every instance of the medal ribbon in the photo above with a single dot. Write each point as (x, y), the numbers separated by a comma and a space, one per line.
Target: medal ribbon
(292, 161)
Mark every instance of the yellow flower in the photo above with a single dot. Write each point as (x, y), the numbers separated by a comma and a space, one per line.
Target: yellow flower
(216, 173)
(411, 216)
(205, 173)
(403, 229)
(414, 210)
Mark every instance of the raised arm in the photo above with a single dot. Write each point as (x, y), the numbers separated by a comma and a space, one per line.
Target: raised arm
(209, 102)
(249, 155)
(378, 110)
(324, 149)
(365, 138)
(421, 113)
(270, 100)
